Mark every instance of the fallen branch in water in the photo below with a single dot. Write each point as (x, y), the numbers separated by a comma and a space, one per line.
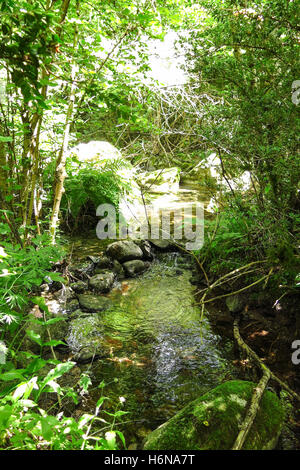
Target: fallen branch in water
(251, 354)
(252, 411)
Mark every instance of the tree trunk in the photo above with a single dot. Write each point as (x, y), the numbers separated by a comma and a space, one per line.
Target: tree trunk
(60, 172)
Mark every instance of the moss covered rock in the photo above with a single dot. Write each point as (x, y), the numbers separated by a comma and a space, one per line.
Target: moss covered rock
(94, 303)
(125, 250)
(212, 421)
(96, 151)
(134, 267)
(102, 282)
(86, 338)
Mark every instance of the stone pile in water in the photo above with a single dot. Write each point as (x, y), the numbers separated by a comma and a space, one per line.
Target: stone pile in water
(81, 305)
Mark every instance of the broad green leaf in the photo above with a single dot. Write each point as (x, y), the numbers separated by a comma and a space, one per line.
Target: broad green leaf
(47, 425)
(24, 390)
(58, 371)
(51, 321)
(56, 277)
(121, 436)
(36, 365)
(34, 337)
(5, 413)
(53, 342)
(52, 386)
(12, 375)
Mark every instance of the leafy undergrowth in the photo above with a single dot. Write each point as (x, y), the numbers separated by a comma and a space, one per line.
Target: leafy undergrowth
(242, 235)
(24, 423)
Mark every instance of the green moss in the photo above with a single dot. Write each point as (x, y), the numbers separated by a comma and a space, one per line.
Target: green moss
(212, 421)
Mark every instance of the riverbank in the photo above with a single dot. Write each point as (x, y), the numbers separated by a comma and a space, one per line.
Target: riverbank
(269, 328)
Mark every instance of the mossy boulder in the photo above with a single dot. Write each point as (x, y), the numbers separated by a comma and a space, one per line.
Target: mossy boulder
(134, 267)
(103, 263)
(85, 338)
(123, 251)
(81, 270)
(102, 282)
(79, 287)
(94, 303)
(162, 245)
(212, 422)
(72, 306)
(98, 152)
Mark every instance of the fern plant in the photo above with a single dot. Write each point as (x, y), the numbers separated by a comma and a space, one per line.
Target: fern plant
(94, 184)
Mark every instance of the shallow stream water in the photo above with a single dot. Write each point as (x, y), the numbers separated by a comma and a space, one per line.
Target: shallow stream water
(162, 354)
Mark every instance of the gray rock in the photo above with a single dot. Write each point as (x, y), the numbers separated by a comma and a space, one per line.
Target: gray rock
(64, 295)
(94, 303)
(162, 245)
(72, 306)
(160, 181)
(118, 269)
(102, 282)
(104, 263)
(79, 287)
(145, 246)
(81, 270)
(87, 353)
(134, 267)
(79, 313)
(85, 337)
(96, 152)
(124, 251)
(94, 259)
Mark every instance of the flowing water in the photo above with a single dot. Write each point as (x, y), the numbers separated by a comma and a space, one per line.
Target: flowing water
(162, 354)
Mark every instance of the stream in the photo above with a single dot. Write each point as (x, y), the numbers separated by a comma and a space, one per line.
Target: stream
(162, 355)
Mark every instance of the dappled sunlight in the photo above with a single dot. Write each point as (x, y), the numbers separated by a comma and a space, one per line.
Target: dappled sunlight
(237, 399)
(149, 226)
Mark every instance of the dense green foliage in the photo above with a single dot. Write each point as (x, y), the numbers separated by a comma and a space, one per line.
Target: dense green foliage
(22, 270)
(24, 425)
(77, 71)
(244, 59)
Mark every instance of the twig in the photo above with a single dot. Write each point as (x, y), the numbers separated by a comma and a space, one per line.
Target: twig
(53, 353)
(237, 291)
(250, 353)
(252, 411)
